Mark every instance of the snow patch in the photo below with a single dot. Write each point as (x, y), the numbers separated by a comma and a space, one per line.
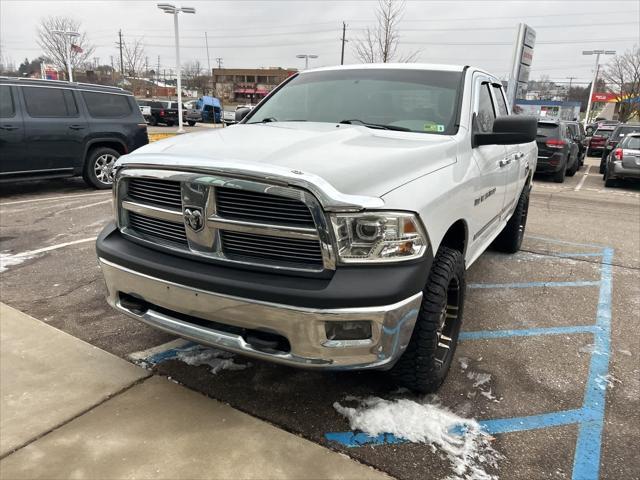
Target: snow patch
(464, 363)
(607, 381)
(461, 440)
(218, 360)
(8, 259)
(591, 349)
(479, 378)
(625, 352)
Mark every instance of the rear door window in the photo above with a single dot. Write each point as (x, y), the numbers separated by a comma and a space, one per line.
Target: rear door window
(486, 114)
(50, 102)
(7, 106)
(105, 105)
(632, 143)
(500, 102)
(603, 133)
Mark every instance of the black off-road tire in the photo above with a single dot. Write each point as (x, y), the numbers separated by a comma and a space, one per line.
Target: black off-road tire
(574, 168)
(97, 167)
(153, 121)
(425, 363)
(191, 123)
(169, 123)
(609, 182)
(510, 239)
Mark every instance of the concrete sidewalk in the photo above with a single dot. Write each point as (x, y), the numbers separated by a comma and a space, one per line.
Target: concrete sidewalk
(71, 410)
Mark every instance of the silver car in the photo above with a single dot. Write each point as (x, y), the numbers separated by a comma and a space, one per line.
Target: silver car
(624, 161)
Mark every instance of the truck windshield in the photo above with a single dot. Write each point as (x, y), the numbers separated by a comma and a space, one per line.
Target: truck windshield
(394, 99)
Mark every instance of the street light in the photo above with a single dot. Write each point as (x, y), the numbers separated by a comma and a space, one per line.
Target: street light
(173, 10)
(306, 57)
(66, 34)
(597, 53)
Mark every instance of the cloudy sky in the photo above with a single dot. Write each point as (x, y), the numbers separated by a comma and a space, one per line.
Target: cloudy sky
(264, 33)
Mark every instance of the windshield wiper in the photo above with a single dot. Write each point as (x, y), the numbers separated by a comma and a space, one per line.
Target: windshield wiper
(378, 126)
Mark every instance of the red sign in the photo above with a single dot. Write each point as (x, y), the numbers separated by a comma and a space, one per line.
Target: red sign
(604, 97)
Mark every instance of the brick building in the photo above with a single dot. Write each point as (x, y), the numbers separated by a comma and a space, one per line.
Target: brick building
(247, 85)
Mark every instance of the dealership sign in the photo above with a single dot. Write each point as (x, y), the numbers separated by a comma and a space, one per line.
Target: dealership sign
(521, 63)
(604, 97)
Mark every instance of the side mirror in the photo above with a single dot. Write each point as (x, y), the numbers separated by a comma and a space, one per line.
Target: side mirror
(509, 130)
(241, 113)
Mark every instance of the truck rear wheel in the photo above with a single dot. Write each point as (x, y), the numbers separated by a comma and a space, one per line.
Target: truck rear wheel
(426, 361)
(510, 239)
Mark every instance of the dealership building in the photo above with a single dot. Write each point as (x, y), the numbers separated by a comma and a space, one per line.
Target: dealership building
(247, 85)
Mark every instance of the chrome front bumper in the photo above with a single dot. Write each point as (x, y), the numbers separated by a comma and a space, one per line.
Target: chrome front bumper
(304, 328)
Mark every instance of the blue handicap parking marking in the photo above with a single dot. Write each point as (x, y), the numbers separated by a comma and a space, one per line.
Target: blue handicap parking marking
(590, 416)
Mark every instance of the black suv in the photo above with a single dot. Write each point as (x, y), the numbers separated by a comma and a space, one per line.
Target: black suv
(558, 152)
(54, 129)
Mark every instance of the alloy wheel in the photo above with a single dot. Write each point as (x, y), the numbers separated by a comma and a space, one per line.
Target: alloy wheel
(103, 168)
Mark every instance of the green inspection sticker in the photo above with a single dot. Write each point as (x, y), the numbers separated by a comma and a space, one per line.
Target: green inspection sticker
(433, 127)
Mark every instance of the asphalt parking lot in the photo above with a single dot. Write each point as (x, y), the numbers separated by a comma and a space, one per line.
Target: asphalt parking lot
(548, 361)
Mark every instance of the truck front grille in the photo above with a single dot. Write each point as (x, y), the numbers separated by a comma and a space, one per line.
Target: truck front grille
(162, 193)
(262, 207)
(224, 219)
(274, 249)
(158, 228)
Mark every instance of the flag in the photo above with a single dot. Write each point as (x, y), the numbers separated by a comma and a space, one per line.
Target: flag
(76, 48)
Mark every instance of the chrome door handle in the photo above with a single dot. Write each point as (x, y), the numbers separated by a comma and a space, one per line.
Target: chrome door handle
(518, 155)
(504, 162)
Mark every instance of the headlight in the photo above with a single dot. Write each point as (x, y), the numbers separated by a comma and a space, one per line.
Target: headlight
(376, 237)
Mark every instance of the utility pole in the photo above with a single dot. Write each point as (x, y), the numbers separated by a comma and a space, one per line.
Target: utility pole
(209, 73)
(597, 53)
(344, 31)
(158, 76)
(121, 60)
(570, 82)
(219, 61)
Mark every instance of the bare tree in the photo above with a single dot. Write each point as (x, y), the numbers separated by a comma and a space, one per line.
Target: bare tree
(623, 76)
(56, 46)
(380, 43)
(134, 57)
(544, 86)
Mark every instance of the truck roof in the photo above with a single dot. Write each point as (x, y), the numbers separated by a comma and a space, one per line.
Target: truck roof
(392, 66)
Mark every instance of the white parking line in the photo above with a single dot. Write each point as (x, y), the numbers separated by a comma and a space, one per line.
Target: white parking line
(86, 206)
(50, 199)
(60, 245)
(8, 259)
(584, 177)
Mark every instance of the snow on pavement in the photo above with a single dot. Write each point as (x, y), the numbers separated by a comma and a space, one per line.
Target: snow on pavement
(218, 360)
(461, 440)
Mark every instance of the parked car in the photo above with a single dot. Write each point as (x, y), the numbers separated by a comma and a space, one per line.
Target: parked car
(617, 134)
(558, 152)
(160, 112)
(599, 138)
(624, 161)
(189, 115)
(577, 132)
(146, 112)
(229, 116)
(315, 245)
(211, 109)
(54, 129)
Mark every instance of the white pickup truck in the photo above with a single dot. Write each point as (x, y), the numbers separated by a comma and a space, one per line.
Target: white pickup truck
(330, 229)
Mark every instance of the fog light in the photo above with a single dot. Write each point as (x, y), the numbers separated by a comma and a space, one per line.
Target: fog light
(359, 330)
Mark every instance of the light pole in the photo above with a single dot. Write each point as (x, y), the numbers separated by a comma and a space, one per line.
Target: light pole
(597, 53)
(172, 9)
(306, 57)
(66, 34)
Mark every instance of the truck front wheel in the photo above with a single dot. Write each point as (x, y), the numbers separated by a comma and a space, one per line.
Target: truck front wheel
(426, 361)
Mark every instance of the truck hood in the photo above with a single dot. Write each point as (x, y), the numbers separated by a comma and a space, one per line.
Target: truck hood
(355, 160)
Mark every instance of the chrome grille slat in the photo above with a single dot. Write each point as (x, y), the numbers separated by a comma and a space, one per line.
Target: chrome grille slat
(258, 206)
(271, 248)
(165, 193)
(154, 227)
